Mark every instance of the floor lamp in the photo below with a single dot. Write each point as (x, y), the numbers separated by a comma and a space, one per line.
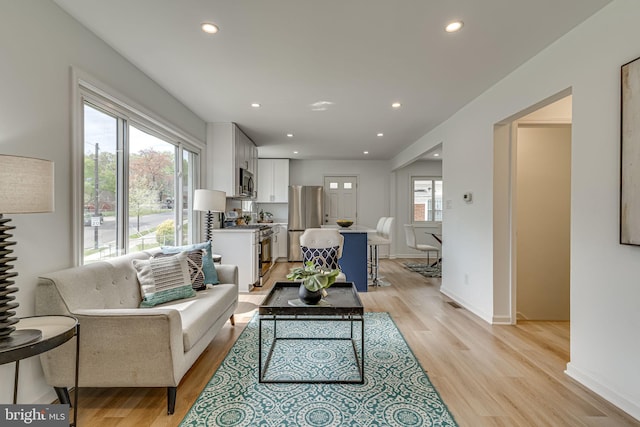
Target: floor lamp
(209, 201)
(26, 186)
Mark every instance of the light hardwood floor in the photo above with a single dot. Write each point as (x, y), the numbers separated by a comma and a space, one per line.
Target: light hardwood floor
(487, 375)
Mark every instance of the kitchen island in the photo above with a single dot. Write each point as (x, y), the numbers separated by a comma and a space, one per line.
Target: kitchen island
(354, 254)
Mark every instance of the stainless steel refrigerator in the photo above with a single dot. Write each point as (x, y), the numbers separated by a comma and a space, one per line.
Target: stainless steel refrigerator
(305, 211)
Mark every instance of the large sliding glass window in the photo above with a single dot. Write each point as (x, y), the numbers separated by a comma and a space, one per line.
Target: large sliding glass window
(138, 184)
(427, 199)
(101, 180)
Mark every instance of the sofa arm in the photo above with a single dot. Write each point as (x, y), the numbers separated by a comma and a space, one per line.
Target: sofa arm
(227, 273)
(121, 347)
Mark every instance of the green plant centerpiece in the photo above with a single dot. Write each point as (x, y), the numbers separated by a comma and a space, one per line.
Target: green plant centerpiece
(315, 281)
(264, 216)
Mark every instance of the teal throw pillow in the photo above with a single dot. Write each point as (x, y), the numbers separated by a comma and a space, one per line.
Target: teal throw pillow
(210, 273)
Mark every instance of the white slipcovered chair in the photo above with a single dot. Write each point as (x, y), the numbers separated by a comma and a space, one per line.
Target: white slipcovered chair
(323, 246)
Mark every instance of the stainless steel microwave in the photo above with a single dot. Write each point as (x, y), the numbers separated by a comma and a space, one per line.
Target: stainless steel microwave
(246, 183)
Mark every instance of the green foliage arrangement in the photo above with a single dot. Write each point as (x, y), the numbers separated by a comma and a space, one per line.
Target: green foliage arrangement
(313, 278)
(165, 233)
(264, 215)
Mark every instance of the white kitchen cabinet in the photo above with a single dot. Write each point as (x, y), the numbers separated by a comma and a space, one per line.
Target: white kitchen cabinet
(228, 150)
(239, 247)
(279, 239)
(273, 181)
(247, 153)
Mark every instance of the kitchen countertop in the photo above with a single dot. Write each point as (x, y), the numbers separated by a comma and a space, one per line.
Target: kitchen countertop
(235, 230)
(353, 229)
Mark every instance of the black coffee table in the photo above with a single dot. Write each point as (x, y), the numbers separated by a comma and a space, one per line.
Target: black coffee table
(282, 304)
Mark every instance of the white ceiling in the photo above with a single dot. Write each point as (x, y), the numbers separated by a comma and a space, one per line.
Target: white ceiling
(361, 55)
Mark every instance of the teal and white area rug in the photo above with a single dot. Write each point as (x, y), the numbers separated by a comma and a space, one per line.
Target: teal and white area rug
(396, 391)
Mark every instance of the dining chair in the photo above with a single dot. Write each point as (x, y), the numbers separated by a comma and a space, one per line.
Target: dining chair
(410, 234)
(323, 246)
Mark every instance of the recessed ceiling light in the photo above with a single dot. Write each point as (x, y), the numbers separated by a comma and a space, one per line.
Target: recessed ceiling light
(436, 155)
(321, 105)
(365, 152)
(295, 152)
(255, 105)
(454, 26)
(289, 135)
(209, 28)
(381, 134)
(396, 105)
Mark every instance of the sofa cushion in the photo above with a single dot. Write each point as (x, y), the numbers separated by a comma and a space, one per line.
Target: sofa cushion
(209, 268)
(200, 313)
(163, 279)
(196, 271)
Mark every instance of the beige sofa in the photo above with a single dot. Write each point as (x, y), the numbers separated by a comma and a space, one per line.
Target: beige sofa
(122, 345)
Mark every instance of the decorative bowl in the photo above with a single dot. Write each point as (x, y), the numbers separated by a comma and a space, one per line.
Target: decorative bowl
(344, 223)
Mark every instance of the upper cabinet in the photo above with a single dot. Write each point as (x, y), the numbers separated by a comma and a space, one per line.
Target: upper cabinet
(273, 180)
(228, 151)
(246, 152)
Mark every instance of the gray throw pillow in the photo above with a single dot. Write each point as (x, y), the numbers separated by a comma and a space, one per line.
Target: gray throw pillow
(163, 279)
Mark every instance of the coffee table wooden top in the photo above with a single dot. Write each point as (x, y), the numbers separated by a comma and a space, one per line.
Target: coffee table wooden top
(342, 299)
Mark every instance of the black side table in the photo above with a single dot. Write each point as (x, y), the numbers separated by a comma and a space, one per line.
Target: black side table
(56, 330)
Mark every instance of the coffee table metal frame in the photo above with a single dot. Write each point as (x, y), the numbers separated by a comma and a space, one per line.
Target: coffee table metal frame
(344, 306)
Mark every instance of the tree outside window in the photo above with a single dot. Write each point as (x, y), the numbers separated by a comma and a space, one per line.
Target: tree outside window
(156, 172)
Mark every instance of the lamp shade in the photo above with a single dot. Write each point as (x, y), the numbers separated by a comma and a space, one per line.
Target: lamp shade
(26, 185)
(209, 200)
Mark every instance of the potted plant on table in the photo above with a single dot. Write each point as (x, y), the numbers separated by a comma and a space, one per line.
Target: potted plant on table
(315, 281)
(265, 216)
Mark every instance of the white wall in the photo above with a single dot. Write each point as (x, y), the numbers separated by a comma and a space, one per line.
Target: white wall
(373, 182)
(605, 291)
(38, 45)
(543, 221)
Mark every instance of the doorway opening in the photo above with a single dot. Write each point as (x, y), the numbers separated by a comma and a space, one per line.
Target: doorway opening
(532, 193)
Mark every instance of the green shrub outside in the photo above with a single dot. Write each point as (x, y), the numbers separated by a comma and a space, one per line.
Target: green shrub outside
(166, 232)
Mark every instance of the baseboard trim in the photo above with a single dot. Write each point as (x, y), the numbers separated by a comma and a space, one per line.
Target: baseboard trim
(412, 256)
(484, 316)
(502, 320)
(593, 384)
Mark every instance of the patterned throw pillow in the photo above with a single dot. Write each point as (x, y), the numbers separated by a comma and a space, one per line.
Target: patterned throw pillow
(163, 279)
(209, 268)
(321, 257)
(194, 261)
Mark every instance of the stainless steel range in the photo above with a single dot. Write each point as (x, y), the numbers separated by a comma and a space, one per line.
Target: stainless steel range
(265, 258)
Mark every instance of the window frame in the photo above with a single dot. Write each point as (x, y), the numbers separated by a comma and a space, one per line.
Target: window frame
(99, 96)
(433, 179)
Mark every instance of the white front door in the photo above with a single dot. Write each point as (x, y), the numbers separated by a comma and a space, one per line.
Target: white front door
(341, 196)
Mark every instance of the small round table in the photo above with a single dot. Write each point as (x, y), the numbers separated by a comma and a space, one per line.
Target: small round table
(55, 330)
